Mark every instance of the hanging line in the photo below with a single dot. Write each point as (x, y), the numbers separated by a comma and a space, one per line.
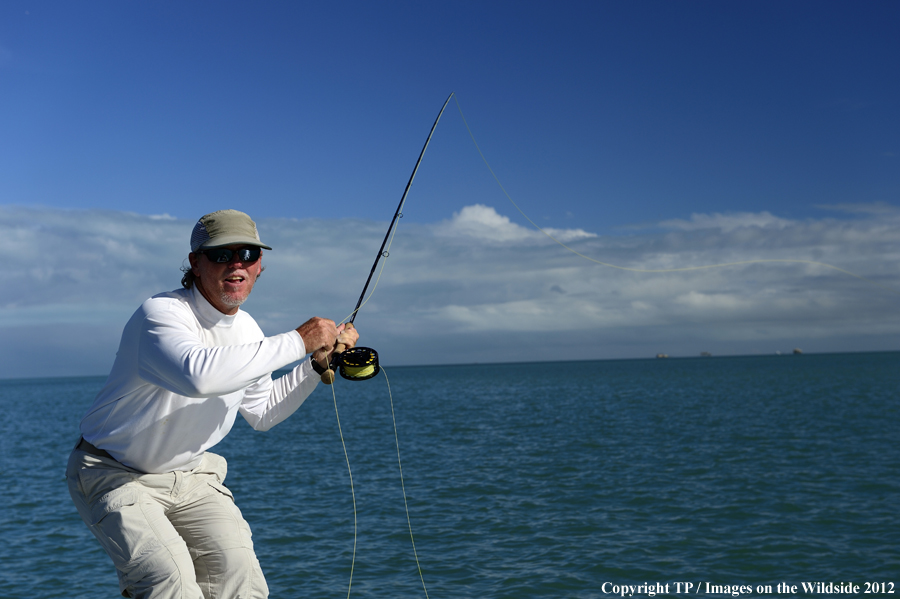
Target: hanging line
(654, 270)
(352, 491)
(403, 485)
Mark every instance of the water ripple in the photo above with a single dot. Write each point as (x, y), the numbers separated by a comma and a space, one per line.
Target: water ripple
(520, 483)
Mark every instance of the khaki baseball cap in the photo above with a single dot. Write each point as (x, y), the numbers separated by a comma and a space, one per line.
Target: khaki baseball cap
(224, 227)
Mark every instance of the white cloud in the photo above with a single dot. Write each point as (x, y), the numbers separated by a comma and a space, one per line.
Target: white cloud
(476, 287)
(727, 222)
(483, 222)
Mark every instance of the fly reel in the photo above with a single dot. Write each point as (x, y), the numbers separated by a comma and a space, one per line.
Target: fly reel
(359, 363)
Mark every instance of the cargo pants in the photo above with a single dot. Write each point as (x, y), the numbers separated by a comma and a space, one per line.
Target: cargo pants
(177, 535)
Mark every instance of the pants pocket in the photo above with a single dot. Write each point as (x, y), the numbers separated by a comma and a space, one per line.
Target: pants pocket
(144, 547)
(219, 487)
(124, 530)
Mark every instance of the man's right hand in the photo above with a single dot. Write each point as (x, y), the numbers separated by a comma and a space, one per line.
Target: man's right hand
(318, 334)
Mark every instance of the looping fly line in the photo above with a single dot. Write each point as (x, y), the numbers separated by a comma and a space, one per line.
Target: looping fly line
(653, 270)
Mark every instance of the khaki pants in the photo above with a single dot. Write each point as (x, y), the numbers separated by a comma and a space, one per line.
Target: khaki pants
(177, 535)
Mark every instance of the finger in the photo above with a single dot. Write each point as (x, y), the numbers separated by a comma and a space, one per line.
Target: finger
(349, 338)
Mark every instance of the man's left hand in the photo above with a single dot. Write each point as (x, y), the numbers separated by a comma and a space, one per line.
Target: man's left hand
(346, 335)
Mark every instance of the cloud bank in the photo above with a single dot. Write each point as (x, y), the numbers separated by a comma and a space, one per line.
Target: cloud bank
(476, 287)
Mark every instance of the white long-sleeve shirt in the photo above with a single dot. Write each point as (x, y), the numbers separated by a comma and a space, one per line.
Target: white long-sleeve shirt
(182, 373)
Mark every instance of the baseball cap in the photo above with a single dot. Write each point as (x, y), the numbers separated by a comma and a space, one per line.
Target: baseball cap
(224, 227)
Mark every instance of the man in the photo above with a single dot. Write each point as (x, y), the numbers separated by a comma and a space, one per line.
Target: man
(142, 477)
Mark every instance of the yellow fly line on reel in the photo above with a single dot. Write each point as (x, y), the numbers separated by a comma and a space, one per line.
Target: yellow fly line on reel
(359, 363)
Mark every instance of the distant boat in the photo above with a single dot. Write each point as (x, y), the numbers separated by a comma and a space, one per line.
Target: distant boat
(705, 354)
(797, 350)
(662, 355)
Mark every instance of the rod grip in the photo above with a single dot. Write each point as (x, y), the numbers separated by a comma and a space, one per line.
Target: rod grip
(328, 375)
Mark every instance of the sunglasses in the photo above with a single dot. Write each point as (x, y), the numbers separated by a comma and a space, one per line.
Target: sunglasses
(224, 255)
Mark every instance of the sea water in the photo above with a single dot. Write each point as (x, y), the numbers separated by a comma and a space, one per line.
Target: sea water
(578, 480)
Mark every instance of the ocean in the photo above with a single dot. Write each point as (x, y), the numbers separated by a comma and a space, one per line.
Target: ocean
(733, 475)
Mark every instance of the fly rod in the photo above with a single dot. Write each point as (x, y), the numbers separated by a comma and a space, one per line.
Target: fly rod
(361, 363)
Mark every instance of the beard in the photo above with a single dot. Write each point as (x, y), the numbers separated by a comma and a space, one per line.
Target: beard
(232, 301)
(235, 299)
(222, 299)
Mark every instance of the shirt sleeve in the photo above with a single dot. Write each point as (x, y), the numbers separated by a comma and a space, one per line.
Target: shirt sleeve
(270, 401)
(172, 356)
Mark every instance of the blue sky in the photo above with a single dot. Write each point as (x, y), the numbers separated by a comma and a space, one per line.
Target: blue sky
(649, 134)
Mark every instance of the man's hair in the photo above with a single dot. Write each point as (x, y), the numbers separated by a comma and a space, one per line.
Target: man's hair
(188, 277)
(187, 280)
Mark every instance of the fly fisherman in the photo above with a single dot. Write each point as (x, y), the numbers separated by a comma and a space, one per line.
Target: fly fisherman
(189, 361)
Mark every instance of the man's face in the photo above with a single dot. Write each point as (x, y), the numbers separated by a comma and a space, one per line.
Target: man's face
(226, 285)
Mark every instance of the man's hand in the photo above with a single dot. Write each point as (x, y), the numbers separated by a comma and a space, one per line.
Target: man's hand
(348, 335)
(320, 336)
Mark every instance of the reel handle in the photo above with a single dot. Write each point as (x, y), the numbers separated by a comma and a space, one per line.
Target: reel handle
(328, 375)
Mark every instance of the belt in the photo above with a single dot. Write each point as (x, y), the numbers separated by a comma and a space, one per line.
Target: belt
(94, 451)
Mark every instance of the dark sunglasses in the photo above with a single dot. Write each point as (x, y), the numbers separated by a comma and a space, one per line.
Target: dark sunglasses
(224, 255)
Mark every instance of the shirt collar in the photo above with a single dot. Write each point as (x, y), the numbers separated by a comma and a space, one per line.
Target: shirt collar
(208, 313)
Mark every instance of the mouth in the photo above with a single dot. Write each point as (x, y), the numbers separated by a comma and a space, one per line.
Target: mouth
(234, 280)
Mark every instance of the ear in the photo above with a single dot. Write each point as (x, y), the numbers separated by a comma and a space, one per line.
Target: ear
(193, 259)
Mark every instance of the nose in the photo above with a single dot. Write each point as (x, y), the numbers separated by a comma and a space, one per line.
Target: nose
(236, 259)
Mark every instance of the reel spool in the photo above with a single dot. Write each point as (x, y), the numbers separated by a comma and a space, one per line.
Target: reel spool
(359, 363)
